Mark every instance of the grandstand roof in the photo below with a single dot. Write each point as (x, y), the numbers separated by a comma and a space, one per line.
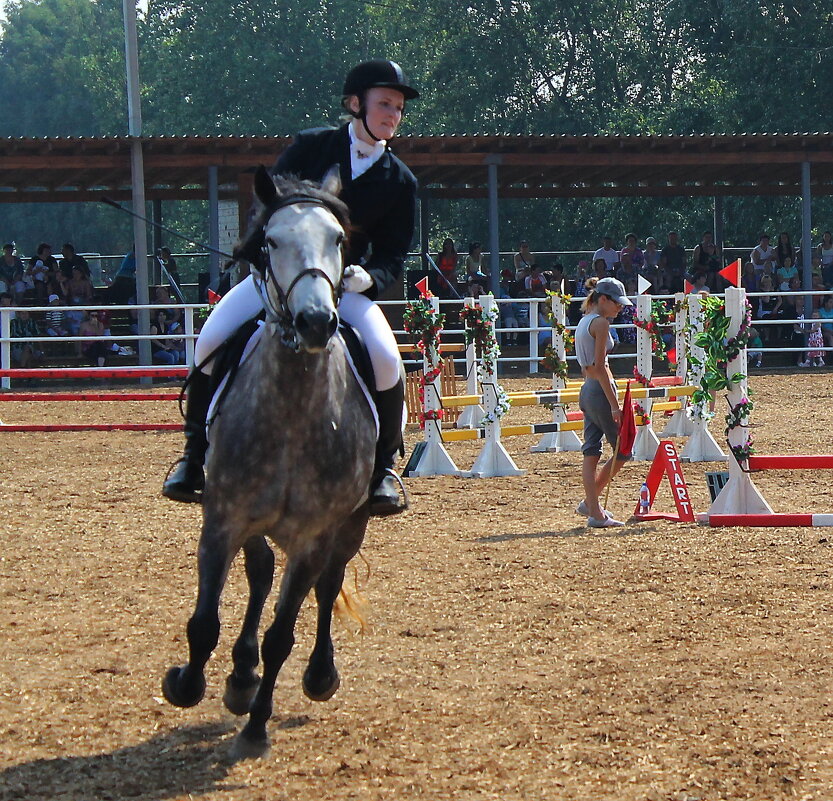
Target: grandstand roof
(85, 169)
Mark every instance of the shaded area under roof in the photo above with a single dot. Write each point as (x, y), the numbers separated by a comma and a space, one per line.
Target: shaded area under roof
(85, 169)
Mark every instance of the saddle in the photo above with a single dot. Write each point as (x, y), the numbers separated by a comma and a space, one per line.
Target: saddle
(233, 352)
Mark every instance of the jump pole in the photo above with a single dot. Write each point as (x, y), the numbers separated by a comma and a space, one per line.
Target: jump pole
(646, 443)
(701, 446)
(471, 416)
(493, 459)
(678, 424)
(434, 459)
(558, 441)
(740, 496)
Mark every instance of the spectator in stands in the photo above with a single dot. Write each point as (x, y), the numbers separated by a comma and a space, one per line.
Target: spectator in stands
(627, 336)
(78, 290)
(608, 254)
(826, 313)
(767, 307)
(627, 270)
(169, 263)
(785, 272)
(673, 263)
(11, 267)
(24, 327)
(123, 289)
(637, 256)
(536, 283)
(706, 259)
(524, 259)
(93, 348)
(784, 249)
(446, 262)
(652, 255)
(40, 266)
(473, 271)
(748, 279)
(754, 354)
(557, 278)
(698, 283)
(474, 261)
(600, 269)
(663, 285)
(825, 254)
(792, 334)
(763, 256)
(71, 260)
(55, 325)
(815, 341)
(162, 349)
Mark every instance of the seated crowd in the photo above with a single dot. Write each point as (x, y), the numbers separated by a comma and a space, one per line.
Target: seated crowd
(670, 269)
(64, 285)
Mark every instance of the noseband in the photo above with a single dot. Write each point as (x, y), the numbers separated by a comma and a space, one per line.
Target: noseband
(280, 314)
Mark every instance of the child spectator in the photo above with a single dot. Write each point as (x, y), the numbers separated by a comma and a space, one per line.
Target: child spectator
(815, 340)
(784, 273)
(754, 354)
(55, 326)
(536, 283)
(24, 327)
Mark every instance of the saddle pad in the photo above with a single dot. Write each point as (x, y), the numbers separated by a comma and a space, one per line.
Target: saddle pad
(254, 339)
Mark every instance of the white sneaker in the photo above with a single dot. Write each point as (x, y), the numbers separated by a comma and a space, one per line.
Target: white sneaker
(804, 364)
(582, 510)
(608, 522)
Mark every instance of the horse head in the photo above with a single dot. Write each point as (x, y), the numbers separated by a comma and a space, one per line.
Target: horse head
(300, 230)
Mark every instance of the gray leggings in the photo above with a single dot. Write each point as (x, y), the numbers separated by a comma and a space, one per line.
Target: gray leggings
(598, 418)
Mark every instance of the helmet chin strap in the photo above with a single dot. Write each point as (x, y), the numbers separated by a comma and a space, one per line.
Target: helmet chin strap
(363, 118)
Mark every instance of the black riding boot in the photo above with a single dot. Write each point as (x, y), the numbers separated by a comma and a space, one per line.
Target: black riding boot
(187, 479)
(385, 498)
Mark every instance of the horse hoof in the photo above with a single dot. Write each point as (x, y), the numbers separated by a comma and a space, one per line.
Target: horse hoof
(321, 690)
(238, 695)
(246, 748)
(173, 692)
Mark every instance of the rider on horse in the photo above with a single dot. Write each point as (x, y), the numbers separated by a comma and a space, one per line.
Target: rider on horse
(380, 192)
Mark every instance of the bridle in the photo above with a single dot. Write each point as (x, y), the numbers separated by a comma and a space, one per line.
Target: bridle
(280, 314)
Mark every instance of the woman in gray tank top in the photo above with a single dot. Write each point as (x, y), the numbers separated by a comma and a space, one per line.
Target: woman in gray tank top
(598, 399)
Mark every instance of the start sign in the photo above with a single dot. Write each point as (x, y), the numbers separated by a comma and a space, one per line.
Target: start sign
(666, 462)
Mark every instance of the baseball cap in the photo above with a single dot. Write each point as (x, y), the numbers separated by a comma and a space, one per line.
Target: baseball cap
(614, 289)
(53, 297)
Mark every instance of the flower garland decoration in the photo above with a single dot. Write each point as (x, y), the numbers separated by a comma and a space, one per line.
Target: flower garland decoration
(660, 317)
(480, 331)
(552, 363)
(425, 326)
(641, 379)
(738, 417)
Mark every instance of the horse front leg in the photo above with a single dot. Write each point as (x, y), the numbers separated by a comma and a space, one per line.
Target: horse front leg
(185, 686)
(243, 681)
(321, 676)
(298, 579)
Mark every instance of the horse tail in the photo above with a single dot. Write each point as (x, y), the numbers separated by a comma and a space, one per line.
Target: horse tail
(351, 602)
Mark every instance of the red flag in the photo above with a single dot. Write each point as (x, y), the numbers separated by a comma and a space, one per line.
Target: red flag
(422, 286)
(732, 273)
(627, 428)
(688, 287)
(213, 297)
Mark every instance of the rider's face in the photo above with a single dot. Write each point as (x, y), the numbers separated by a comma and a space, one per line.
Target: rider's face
(384, 109)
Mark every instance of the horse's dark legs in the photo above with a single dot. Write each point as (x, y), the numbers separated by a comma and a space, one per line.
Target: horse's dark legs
(321, 677)
(298, 579)
(185, 686)
(242, 683)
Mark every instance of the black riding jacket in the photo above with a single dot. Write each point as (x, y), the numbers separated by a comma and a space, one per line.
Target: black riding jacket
(382, 201)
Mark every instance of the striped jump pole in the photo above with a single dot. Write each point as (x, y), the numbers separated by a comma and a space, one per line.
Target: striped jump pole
(471, 416)
(701, 446)
(646, 443)
(95, 372)
(678, 424)
(493, 459)
(558, 440)
(514, 431)
(433, 459)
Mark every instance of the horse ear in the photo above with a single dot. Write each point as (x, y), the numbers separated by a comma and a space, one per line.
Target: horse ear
(265, 189)
(332, 181)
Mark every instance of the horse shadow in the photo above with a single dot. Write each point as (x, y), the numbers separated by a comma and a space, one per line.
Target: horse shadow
(183, 762)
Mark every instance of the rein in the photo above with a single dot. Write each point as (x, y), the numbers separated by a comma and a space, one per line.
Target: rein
(280, 314)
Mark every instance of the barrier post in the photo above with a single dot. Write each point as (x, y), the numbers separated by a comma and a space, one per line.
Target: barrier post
(678, 424)
(701, 446)
(189, 338)
(471, 415)
(433, 459)
(558, 441)
(6, 346)
(493, 459)
(646, 443)
(533, 335)
(740, 495)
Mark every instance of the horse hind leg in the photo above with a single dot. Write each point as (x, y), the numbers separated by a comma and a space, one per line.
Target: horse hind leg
(185, 686)
(298, 579)
(321, 678)
(243, 681)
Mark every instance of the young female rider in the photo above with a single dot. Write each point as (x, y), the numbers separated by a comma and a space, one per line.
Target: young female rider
(597, 399)
(380, 192)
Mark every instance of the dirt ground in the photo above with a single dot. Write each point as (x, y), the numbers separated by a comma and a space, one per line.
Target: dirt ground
(512, 652)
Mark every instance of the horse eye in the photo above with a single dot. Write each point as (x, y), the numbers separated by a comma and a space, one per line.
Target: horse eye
(339, 240)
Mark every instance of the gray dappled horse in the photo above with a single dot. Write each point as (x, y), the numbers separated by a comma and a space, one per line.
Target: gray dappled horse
(291, 458)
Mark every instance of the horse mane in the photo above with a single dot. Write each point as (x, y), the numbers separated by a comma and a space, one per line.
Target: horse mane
(250, 245)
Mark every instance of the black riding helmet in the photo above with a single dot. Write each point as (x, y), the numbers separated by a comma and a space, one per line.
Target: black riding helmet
(371, 74)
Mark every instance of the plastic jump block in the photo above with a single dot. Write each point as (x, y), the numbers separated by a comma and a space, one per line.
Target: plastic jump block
(771, 520)
(790, 462)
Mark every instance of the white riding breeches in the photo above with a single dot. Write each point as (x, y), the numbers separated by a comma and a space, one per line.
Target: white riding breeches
(244, 302)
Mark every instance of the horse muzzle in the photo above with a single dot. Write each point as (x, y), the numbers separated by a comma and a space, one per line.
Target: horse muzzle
(315, 328)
